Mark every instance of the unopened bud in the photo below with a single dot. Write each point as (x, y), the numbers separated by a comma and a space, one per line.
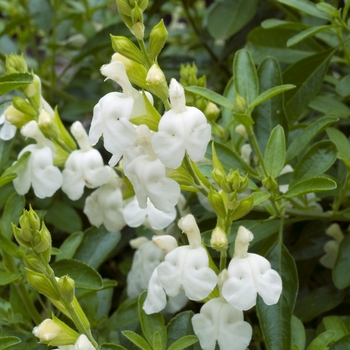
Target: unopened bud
(234, 179)
(241, 130)
(220, 178)
(240, 103)
(127, 48)
(23, 106)
(16, 117)
(138, 29)
(124, 7)
(217, 203)
(30, 223)
(157, 39)
(270, 184)
(165, 242)
(66, 286)
(17, 232)
(42, 240)
(244, 207)
(218, 239)
(33, 263)
(15, 64)
(212, 111)
(136, 243)
(156, 79)
(42, 284)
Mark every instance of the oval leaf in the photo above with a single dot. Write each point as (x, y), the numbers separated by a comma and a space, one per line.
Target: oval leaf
(340, 273)
(8, 342)
(307, 34)
(14, 81)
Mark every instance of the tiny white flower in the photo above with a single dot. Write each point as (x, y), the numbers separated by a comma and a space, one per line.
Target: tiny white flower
(83, 167)
(8, 130)
(220, 322)
(181, 129)
(39, 171)
(83, 343)
(241, 130)
(187, 267)
(248, 275)
(47, 330)
(105, 205)
(246, 151)
(158, 220)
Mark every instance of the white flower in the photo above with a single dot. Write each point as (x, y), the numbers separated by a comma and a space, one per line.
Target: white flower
(220, 322)
(249, 275)
(83, 343)
(187, 267)
(83, 167)
(105, 205)
(38, 170)
(331, 247)
(148, 177)
(47, 330)
(135, 216)
(181, 129)
(8, 130)
(246, 151)
(146, 258)
(112, 113)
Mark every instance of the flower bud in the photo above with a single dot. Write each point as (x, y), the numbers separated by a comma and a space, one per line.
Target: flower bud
(244, 237)
(220, 178)
(22, 241)
(241, 130)
(217, 203)
(42, 284)
(15, 64)
(218, 239)
(127, 48)
(270, 184)
(30, 223)
(33, 263)
(33, 91)
(244, 207)
(234, 179)
(138, 29)
(42, 240)
(136, 243)
(66, 286)
(23, 106)
(240, 103)
(212, 111)
(166, 242)
(244, 182)
(47, 126)
(16, 117)
(124, 7)
(156, 79)
(157, 39)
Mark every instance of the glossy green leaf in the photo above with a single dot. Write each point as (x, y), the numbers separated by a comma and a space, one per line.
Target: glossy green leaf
(10, 173)
(183, 342)
(151, 324)
(260, 197)
(305, 6)
(343, 86)
(245, 76)
(342, 144)
(317, 302)
(8, 342)
(316, 161)
(14, 81)
(328, 9)
(137, 340)
(322, 341)
(334, 323)
(270, 113)
(275, 320)
(263, 43)
(340, 272)
(244, 119)
(266, 95)
(307, 135)
(179, 326)
(96, 246)
(227, 17)
(85, 276)
(70, 246)
(307, 74)
(8, 277)
(275, 152)
(306, 34)
(298, 333)
(211, 96)
(342, 344)
(12, 211)
(330, 104)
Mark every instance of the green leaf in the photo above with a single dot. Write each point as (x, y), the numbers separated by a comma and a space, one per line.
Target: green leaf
(334, 323)
(307, 74)
(42, 13)
(8, 277)
(137, 340)
(70, 246)
(340, 272)
(245, 76)
(12, 211)
(183, 342)
(263, 43)
(85, 276)
(266, 95)
(151, 324)
(14, 81)
(260, 197)
(306, 34)
(298, 333)
(109, 346)
(330, 104)
(275, 320)
(124, 316)
(275, 152)
(305, 6)
(157, 341)
(244, 119)
(307, 135)
(317, 302)
(342, 344)
(322, 341)
(9, 341)
(96, 246)
(227, 17)
(315, 184)
(211, 96)
(180, 326)
(342, 144)
(8, 246)
(10, 173)
(316, 161)
(343, 86)
(270, 113)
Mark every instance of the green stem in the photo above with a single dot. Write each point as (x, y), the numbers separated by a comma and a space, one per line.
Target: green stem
(145, 54)
(223, 258)
(257, 149)
(198, 184)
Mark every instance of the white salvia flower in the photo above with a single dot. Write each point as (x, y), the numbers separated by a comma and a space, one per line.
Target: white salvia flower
(83, 167)
(8, 130)
(146, 258)
(181, 129)
(150, 217)
(112, 113)
(248, 275)
(39, 170)
(331, 247)
(83, 343)
(105, 205)
(47, 330)
(187, 267)
(220, 322)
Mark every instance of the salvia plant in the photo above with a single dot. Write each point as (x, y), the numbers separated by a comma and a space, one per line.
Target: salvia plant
(148, 206)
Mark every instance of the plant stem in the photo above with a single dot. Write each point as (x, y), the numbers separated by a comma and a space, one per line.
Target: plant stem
(145, 53)
(197, 181)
